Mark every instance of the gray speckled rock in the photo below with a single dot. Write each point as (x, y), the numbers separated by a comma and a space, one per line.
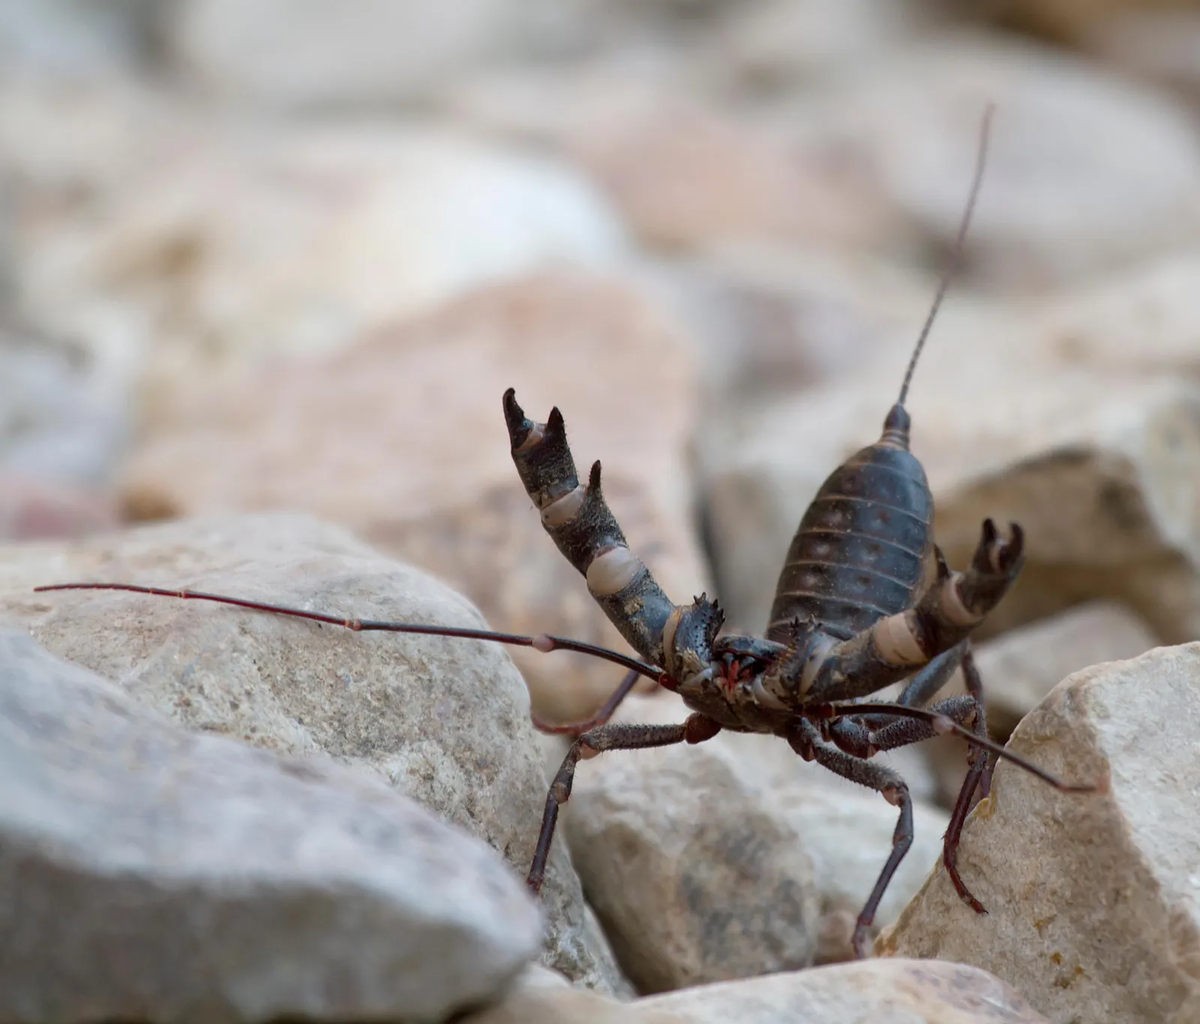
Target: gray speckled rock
(444, 721)
(148, 873)
(1093, 900)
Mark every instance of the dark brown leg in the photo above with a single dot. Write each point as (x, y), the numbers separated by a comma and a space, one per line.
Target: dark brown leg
(966, 711)
(978, 780)
(696, 729)
(808, 744)
(576, 729)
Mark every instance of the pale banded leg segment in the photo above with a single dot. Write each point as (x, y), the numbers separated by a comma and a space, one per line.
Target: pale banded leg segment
(806, 741)
(897, 645)
(580, 522)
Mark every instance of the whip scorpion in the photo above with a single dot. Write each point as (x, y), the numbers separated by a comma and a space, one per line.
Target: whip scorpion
(865, 599)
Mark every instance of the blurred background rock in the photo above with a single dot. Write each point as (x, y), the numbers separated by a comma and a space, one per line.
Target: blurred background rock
(259, 255)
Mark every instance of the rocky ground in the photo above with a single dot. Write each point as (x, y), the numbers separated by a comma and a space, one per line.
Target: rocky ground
(266, 269)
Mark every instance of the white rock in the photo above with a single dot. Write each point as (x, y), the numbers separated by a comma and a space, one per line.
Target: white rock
(149, 873)
(445, 722)
(897, 992)
(266, 240)
(880, 991)
(1023, 665)
(1141, 322)
(364, 50)
(1092, 901)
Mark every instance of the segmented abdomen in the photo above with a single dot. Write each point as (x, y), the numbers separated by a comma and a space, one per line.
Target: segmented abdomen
(858, 553)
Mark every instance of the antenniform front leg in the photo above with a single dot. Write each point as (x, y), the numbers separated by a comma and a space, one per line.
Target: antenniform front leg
(893, 647)
(580, 522)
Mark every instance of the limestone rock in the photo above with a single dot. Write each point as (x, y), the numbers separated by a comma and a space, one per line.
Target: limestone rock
(385, 53)
(1091, 898)
(1023, 665)
(687, 166)
(150, 873)
(692, 875)
(880, 991)
(1156, 45)
(686, 175)
(1063, 197)
(402, 438)
(772, 318)
(884, 992)
(63, 419)
(538, 1006)
(790, 44)
(71, 39)
(1074, 21)
(445, 722)
(731, 858)
(32, 509)
(1139, 323)
(292, 240)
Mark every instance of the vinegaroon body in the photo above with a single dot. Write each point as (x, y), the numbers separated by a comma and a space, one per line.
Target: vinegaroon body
(864, 600)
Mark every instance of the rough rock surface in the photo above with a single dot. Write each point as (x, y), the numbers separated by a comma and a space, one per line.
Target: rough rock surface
(896, 992)
(1137, 323)
(446, 722)
(294, 240)
(732, 858)
(151, 873)
(403, 439)
(1023, 665)
(879, 991)
(385, 54)
(1092, 899)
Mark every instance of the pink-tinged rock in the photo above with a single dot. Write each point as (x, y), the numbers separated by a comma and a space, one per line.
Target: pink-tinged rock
(402, 438)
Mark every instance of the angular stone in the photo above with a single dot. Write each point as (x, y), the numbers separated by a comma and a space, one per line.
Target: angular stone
(790, 44)
(880, 991)
(693, 878)
(1023, 665)
(731, 858)
(444, 721)
(385, 53)
(741, 180)
(33, 509)
(687, 167)
(63, 419)
(887, 992)
(1061, 199)
(1140, 322)
(150, 873)
(1092, 898)
(772, 318)
(292, 241)
(1157, 45)
(66, 38)
(403, 439)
